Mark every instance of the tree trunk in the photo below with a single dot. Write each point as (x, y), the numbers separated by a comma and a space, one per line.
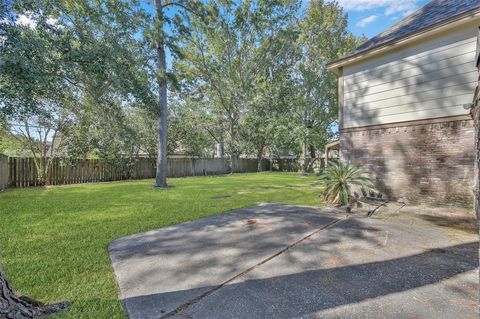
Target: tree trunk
(259, 165)
(161, 174)
(220, 149)
(15, 307)
(303, 159)
(260, 156)
(233, 145)
(312, 151)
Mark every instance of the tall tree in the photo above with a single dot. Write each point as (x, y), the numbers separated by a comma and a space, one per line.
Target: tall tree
(192, 129)
(270, 101)
(227, 55)
(163, 41)
(161, 175)
(53, 53)
(70, 56)
(323, 38)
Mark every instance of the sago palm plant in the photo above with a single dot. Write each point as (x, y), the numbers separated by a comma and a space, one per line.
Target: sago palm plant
(339, 178)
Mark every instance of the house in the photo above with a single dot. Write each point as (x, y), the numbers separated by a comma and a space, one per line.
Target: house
(404, 99)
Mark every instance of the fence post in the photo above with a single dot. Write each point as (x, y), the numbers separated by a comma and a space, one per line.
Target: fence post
(4, 170)
(21, 172)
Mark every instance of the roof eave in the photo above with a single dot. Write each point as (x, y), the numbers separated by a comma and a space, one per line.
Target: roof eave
(393, 44)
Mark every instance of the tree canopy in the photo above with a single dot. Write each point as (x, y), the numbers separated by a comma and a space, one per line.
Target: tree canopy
(246, 78)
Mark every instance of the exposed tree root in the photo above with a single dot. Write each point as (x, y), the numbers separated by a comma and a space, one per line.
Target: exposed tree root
(19, 307)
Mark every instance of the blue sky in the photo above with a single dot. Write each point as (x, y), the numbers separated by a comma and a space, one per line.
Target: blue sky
(370, 17)
(365, 17)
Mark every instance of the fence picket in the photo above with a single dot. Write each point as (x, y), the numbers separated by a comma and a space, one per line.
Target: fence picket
(22, 172)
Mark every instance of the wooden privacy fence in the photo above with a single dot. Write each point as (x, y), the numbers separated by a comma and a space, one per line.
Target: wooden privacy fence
(21, 172)
(3, 172)
(293, 165)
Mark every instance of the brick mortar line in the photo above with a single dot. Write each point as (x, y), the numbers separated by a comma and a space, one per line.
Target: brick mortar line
(187, 304)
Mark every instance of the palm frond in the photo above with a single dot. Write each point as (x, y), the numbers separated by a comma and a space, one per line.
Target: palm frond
(339, 178)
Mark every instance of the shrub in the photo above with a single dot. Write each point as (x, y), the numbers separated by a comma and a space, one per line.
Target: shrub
(339, 178)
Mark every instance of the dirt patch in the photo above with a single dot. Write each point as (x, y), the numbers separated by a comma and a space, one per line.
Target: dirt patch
(258, 223)
(464, 223)
(335, 261)
(451, 218)
(257, 189)
(221, 196)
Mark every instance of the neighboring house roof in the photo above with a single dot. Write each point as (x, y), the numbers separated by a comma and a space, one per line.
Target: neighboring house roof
(434, 13)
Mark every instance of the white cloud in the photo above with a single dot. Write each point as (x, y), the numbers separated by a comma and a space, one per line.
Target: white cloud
(391, 6)
(30, 20)
(405, 8)
(26, 21)
(52, 21)
(366, 21)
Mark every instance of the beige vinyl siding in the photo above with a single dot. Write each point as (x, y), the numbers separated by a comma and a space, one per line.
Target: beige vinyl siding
(428, 80)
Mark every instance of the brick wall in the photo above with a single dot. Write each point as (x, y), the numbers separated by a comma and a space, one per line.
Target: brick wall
(432, 163)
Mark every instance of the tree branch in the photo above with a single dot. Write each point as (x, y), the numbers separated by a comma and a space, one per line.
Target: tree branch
(178, 4)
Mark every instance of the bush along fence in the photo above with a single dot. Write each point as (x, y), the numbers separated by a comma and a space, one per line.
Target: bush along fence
(22, 172)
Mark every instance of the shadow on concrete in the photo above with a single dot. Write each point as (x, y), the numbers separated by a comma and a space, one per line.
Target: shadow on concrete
(192, 257)
(309, 292)
(464, 223)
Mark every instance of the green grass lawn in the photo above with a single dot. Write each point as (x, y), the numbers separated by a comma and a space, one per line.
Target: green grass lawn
(53, 241)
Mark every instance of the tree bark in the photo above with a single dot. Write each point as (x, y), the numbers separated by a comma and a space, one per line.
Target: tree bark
(259, 164)
(220, 149)
(303, 159)
(233, 147)
(161, 174)
(260, 150)
(17, 307)
(312, 151)
(260, 158)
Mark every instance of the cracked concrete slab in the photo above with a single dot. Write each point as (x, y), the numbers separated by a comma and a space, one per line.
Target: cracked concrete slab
(361, 268)
(391, 266)
(158, 271)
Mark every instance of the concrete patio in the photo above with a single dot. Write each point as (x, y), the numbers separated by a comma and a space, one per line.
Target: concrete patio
(278, 261)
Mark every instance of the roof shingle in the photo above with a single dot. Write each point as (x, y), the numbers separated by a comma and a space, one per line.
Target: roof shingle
(434, 12)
